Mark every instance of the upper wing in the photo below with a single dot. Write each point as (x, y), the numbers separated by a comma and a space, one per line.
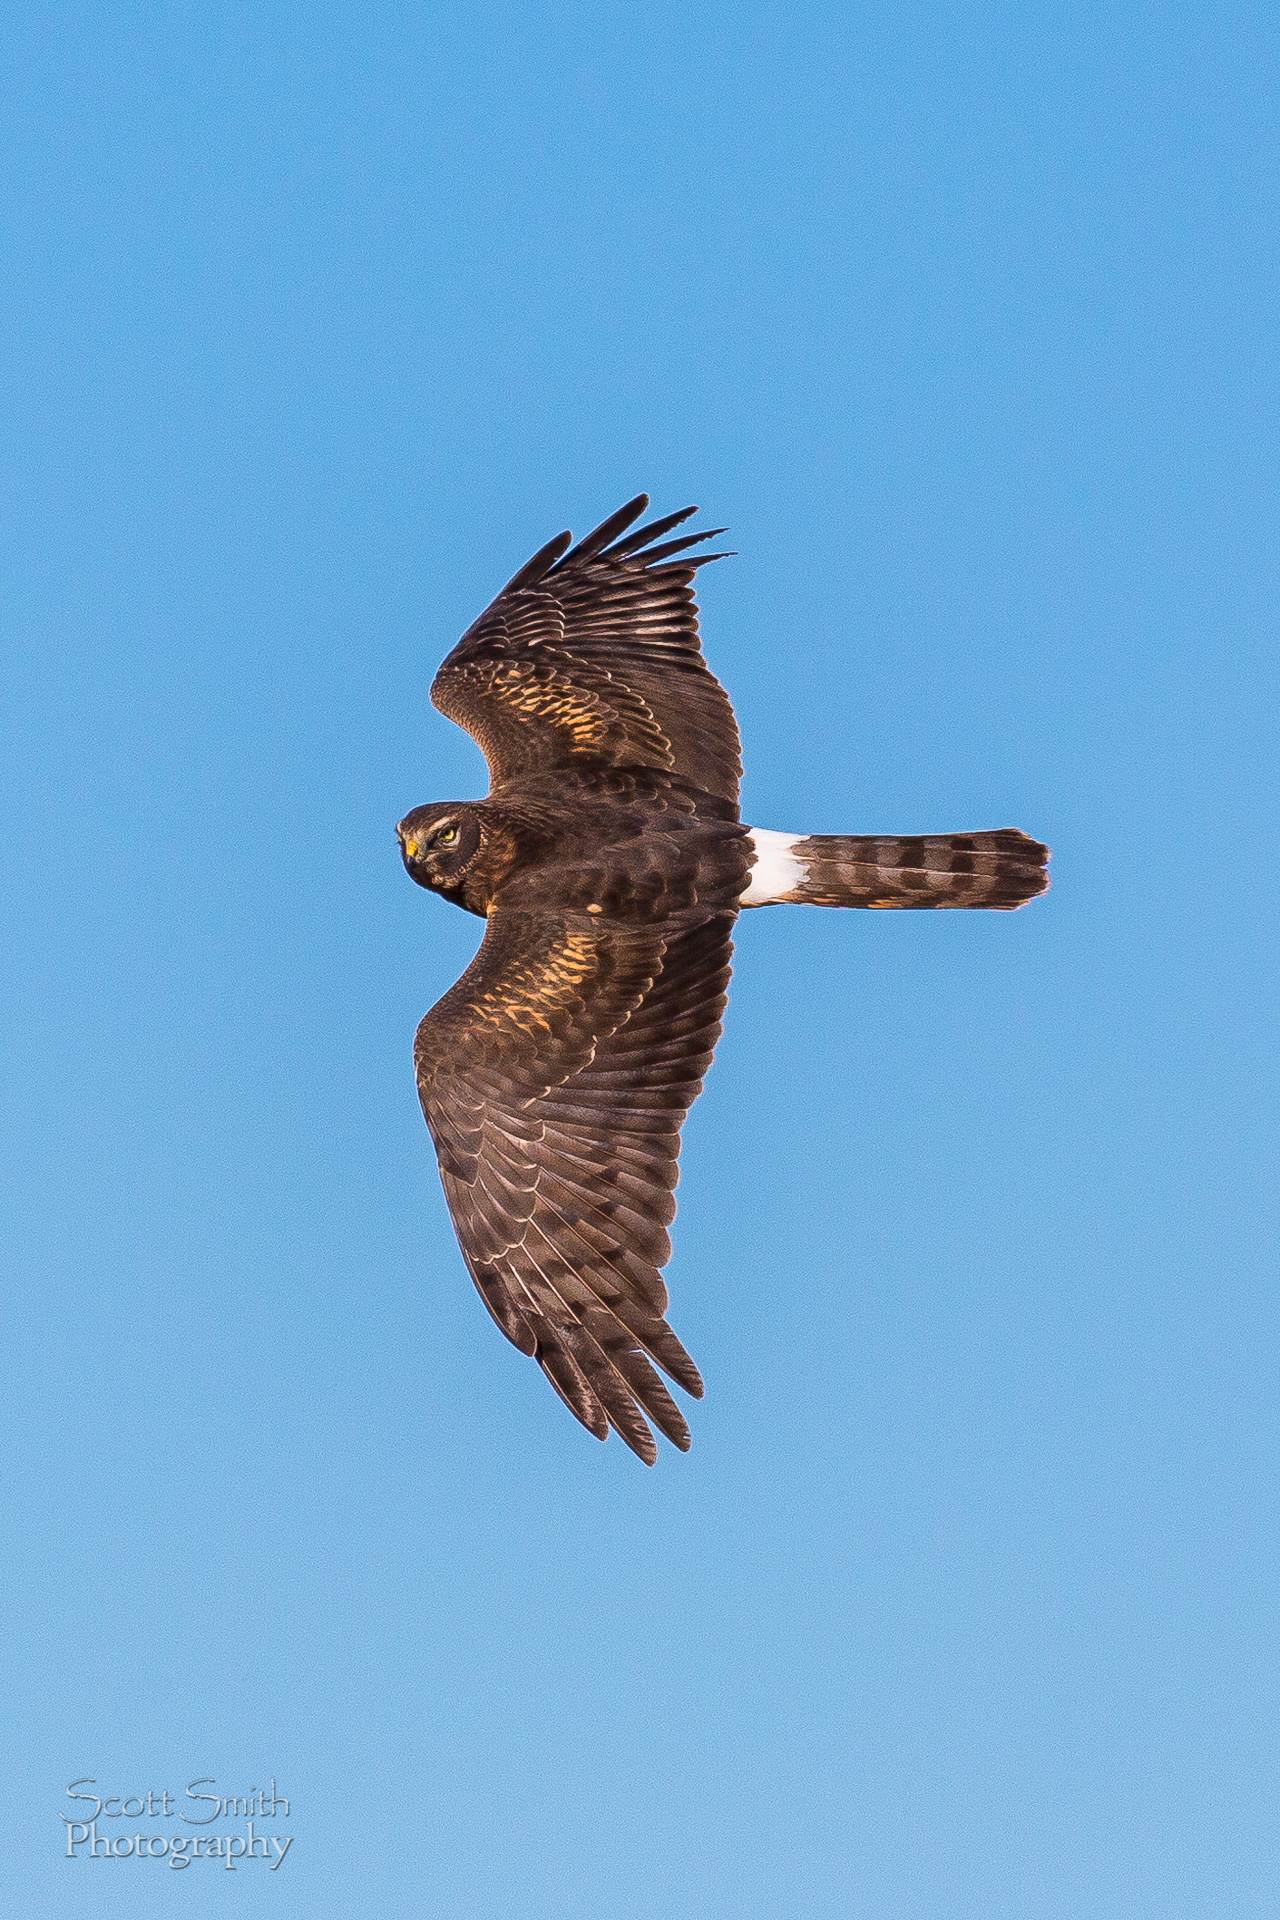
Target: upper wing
(591, 653)
(554, 1077)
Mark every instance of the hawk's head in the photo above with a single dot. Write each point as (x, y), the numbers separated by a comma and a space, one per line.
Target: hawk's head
(438, 844)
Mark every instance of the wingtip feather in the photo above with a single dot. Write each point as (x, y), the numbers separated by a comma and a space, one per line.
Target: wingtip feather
(540, 564)
(602, 536)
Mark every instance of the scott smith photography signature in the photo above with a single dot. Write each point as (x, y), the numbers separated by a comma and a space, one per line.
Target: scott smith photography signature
(105, 1826)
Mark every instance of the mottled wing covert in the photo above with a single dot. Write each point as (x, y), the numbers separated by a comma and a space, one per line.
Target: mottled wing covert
(554, 1077)
(591, 653)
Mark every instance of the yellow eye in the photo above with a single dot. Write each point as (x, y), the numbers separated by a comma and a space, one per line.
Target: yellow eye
(447, 837)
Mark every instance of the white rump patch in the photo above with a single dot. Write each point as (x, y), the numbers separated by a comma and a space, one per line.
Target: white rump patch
(777, 872)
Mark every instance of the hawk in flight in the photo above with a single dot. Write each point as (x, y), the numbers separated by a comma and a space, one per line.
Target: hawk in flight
(610, 864)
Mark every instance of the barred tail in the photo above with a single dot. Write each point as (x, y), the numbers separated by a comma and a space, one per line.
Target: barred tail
(1001, 869)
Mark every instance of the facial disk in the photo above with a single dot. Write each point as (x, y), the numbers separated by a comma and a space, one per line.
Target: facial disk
(438, 844)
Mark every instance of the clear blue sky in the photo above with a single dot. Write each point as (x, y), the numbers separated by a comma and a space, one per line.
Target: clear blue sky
(314, 322)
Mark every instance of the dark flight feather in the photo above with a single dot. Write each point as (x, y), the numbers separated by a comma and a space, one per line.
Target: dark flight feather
(652, 530)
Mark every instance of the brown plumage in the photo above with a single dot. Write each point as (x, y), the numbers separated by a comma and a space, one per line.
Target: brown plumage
(610, 864)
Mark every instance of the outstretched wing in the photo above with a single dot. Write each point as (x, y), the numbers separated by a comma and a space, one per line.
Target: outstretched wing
(554, 1077)
(591, 653)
